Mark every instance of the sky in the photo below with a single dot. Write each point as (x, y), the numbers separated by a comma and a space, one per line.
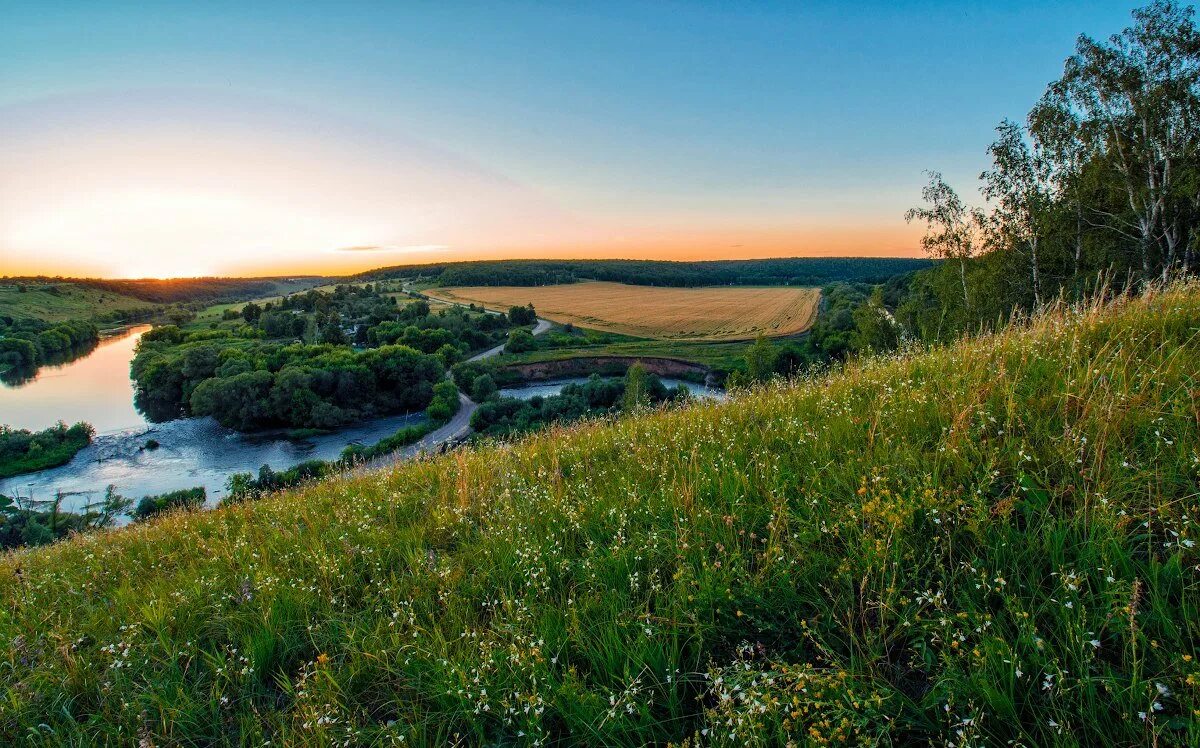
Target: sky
(159, 139)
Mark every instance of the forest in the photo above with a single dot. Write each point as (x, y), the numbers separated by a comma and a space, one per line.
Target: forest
(795, 271)
(1098, 187)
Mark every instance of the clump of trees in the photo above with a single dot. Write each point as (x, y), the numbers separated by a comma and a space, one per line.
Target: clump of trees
(1101, 179)
(184, 498)
(258, 386)
(519, 341)
(24, 451)
(522, 315)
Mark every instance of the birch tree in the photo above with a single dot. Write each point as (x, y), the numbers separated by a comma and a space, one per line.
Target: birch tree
(1133, 96)
(951, 227)
(1020, 184)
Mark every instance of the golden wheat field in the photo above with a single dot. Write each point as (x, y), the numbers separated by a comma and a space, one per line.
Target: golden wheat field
(723, 313)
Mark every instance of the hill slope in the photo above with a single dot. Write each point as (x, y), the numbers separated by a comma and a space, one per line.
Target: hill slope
(992, 542)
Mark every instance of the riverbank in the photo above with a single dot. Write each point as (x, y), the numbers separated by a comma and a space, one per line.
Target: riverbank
(192, 452)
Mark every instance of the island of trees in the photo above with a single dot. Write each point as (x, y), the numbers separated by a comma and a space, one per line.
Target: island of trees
(312, 360)
(24, 451)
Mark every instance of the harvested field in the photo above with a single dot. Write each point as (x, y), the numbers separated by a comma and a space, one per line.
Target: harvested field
(724, 313)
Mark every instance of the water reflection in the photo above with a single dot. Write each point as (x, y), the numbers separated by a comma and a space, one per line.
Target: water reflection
(95, 388)
(24, 375)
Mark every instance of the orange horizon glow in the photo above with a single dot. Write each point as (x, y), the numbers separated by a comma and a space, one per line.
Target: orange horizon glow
(679, 247)
(179, 188)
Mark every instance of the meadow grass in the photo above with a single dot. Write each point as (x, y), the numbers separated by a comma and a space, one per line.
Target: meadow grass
(67, 301)
(988, 543)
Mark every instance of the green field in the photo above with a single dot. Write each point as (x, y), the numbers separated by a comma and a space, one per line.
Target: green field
(991, 543)
(58, 302)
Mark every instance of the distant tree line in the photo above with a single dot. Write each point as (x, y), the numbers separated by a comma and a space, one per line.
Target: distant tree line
(171, 290)
(798, 271)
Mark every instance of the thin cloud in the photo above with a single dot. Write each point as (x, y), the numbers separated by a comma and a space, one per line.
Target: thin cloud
(393, 248)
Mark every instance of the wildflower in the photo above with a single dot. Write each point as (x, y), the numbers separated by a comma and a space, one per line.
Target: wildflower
(322, 658)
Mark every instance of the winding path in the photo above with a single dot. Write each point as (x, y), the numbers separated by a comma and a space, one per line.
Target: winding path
(454, 430)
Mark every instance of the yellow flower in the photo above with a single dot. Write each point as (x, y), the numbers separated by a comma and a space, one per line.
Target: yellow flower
(322, 658)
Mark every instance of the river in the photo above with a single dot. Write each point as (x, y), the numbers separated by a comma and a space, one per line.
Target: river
(192, 451)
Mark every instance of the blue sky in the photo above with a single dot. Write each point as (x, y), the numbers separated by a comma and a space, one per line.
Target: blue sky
(654, 122)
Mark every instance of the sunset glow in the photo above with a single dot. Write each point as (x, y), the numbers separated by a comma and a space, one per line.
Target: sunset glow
(205, 148)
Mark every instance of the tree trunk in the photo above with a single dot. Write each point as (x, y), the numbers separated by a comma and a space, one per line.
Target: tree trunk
(1037, 281)
(1078, 238)
(962, 274)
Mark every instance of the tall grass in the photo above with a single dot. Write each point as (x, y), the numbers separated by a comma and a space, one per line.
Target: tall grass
(988, 543)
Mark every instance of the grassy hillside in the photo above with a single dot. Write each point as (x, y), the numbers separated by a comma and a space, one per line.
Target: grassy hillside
(59, 302)
(61, 299)
(987, 543)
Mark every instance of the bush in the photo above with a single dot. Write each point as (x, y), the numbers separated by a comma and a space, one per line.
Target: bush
(519, 341)
(187, 498)
(444, 404)
(483, 388)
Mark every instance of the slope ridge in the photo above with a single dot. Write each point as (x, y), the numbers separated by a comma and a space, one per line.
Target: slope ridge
(987, 542)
